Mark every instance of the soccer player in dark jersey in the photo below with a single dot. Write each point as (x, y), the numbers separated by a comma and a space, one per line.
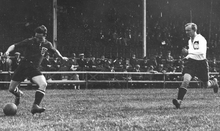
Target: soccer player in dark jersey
(35, 49)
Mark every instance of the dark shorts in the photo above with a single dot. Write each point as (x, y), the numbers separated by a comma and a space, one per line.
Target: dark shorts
(198, 68)
(26, 71)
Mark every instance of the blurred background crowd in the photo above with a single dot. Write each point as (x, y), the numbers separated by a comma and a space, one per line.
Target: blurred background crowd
(107, 35)
(155, 64)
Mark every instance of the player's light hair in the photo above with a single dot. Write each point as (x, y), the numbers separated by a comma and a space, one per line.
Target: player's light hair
(192, 25)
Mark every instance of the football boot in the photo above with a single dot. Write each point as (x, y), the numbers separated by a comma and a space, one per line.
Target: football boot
(177, 103)
(37, 109)
(17, 98)
(215, 86)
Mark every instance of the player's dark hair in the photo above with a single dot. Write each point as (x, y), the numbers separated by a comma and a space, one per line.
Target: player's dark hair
(41, 30)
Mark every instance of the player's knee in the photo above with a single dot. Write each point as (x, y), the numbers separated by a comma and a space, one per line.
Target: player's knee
(185, 83)
(187, 77)
(186, 80)
(11, 90)
(43, 86)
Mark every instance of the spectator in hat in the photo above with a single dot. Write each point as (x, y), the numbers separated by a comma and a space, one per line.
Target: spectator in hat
(5, 65)
(133, 61)
(56, 64)
(73, 67)
(15, 61)
(92, 64)
(48, 66)
(169, 61)
(82, 62)
(144, 64)
(73, 63)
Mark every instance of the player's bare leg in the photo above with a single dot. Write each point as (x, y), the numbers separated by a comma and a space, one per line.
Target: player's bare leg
(13, 88)
(40, 92)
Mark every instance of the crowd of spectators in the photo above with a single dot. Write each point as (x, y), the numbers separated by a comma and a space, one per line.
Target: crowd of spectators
(113, 28)
(156, 63)
(116, 27)
(90, 26)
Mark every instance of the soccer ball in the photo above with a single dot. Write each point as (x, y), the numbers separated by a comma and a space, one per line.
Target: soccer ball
(10, 109)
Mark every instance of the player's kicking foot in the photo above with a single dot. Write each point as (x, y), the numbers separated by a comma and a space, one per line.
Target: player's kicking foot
(177, 103)
(215, 86)
(37, 109)
(17, 98)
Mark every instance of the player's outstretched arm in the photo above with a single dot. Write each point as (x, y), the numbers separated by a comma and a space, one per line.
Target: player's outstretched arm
(10, 49)
(62, 57)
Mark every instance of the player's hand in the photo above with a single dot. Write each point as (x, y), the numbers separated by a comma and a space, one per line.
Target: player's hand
(184, 58)
(184, 51)
(65, 58)
(6, 53)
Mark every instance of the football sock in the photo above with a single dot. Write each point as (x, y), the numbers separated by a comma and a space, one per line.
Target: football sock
(39, 96)
(212, 83)
(181, 93)
(15, 92)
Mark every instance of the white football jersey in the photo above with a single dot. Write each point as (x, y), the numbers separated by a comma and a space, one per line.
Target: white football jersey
(197, 48)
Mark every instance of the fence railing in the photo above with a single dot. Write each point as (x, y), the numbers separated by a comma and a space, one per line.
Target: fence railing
(90, 77)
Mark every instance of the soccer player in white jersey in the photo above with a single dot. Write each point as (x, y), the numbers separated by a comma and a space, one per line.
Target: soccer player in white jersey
(196, 63)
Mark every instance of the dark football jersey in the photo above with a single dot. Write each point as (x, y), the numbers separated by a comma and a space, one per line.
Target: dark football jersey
(34, 51)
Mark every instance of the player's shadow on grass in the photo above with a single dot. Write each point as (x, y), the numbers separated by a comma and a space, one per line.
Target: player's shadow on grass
(191, 107)
(3, 115)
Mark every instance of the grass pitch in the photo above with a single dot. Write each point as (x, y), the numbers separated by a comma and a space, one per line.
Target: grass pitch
(114, 110)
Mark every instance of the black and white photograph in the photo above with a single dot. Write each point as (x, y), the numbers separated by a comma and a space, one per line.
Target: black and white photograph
(109, 65)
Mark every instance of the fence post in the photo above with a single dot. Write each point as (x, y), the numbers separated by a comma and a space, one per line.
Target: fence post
(164, 79)
(86, 80)
(127, 80)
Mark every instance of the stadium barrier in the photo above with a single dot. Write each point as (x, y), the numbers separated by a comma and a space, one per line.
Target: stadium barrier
(90, 77)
